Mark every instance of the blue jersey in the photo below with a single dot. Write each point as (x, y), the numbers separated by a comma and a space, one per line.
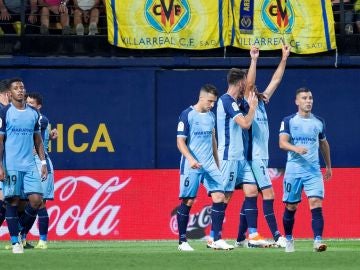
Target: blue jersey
(306, 132)
(18, 127)
(45, 134)
(256, 139)
(45, 131)
(197, 128)
(229, 133)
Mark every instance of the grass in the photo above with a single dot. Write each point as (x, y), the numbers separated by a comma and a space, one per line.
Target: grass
(133, 255)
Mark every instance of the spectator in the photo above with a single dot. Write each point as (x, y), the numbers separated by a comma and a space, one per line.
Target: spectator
(10, 14)
(86, 11)
(54, 8)
(348, 15)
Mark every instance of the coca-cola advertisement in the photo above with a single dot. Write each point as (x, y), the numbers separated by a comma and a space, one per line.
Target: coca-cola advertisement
(141, 205)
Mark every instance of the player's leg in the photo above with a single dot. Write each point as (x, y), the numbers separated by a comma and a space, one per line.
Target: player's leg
(292, 189)
(314, 190)
(2, 205)
(250, 189)
(43, 217)
(189, 185)
(214, 184)
(228, 170)
(260, 170)
(33, 192)
(12, 188)
(241, 240)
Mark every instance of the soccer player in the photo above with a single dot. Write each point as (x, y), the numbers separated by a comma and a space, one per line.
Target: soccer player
(231, 121)
(36, 100)
(20, 125)
(302, 134)
(256, 145)
(200, 164)
(4, 101)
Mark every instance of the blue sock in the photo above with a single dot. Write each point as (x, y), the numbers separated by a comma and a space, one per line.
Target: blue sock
(12, 220)
(242, 225)
(288, 222)
(268, 207)
(182, 216)
(317, 222)
(43, 219)
(212, 232)
(251, 212)
(2, 212)
(217, 218)
(28, 218)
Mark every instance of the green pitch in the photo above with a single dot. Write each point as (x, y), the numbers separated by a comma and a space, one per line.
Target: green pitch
(134, 255)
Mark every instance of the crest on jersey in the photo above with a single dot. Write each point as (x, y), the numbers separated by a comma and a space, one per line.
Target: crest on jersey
(278, 16)
(180, 126)
(282, 126)
(235, 106)
(167, 16)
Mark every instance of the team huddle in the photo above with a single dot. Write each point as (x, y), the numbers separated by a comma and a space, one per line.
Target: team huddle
(238, 159)
(26, 171)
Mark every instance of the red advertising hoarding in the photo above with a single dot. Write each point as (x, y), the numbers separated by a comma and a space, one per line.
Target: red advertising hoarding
(141, 204)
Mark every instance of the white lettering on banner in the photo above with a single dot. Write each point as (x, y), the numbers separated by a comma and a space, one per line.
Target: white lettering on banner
(98, 217)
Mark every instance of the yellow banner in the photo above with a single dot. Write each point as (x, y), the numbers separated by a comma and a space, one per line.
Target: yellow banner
(183, 24)
(307, 25)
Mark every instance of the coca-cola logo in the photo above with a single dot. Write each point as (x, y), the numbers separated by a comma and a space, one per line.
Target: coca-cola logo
(91, 213)
(198, 222)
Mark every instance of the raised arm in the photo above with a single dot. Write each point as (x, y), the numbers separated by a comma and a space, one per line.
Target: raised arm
(325, 151)
(278, 74)
(251, 75)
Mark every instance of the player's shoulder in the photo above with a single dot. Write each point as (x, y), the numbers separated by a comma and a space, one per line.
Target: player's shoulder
(185, 113)
(289, 117)
(316, 117)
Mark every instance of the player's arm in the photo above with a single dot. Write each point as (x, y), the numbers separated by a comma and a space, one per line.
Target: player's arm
(246, 121)
(4, 14)
(325, 151)
(214, 146)
(278, 74)
(285, 145)
(2, 171)
(39, 147)
(184, 150)
(251, 75)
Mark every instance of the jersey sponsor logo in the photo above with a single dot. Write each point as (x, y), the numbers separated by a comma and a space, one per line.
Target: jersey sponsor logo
(202, 133)
(181, 126)
(235, 106)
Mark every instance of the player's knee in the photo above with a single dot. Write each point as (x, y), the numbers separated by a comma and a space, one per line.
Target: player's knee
(268, 193)
(315, 203)
(188, 202)
(291, 207)
(35, 201)
(218, 197)
(250, 190)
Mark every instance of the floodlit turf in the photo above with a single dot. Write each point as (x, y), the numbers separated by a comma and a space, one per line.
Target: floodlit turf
(133, 255)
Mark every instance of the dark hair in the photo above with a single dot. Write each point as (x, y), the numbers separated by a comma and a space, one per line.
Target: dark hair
(235, 74)
(37, 96)
(302, 90)
(209, 88)
(16, 79)
(4, 86)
